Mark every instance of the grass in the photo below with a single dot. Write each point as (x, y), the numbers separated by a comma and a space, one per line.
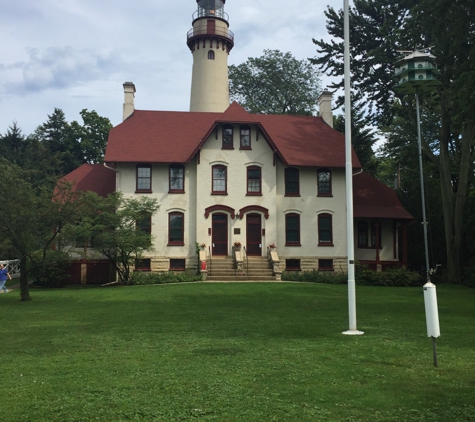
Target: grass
(235, 352)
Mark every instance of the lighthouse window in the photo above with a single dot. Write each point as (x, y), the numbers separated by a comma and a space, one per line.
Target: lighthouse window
(210, 55)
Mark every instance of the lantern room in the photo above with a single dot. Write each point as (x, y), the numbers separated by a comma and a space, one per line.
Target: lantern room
(207, 8)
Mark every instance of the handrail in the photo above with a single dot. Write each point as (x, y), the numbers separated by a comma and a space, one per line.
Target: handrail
(13, 267)
(210, 261)
(218, 13)
(247, 261)
(204, 30)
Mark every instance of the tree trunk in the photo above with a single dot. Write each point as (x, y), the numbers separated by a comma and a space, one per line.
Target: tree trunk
(24, 289)
(453, 200)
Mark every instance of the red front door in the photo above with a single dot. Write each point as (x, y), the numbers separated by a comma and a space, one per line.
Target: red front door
(253, 235)
(220, 234)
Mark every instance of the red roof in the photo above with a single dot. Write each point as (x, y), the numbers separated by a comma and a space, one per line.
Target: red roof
(373, 199)
(175, 137)
(92, 177)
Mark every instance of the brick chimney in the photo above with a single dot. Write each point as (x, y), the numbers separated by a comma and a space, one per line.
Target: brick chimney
(129, 96)
(325, 107)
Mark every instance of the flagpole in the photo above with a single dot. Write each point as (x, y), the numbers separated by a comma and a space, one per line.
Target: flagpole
(349, 183)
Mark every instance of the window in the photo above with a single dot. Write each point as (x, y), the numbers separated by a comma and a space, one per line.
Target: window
(142, 265)
(375, 228)
(177, 265)
(292, 265)
(292, 230)
(210, 55)
(325, 265)
(292, 187)
(176, 178)
(254, 181)
(228, 137)
(219, 180)
(362, 234)
(325, 235)
(145, 225)
(175, 228)
(324, 177)
(144, 178)
(245, 132)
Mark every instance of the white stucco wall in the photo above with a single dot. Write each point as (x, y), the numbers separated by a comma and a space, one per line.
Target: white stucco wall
(236, 161)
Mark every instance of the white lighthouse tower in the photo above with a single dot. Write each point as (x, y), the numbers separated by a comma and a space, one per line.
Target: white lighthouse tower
(210, 42)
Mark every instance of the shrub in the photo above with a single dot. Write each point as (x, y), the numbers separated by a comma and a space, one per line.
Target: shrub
(392, 277)
(142, 278)
(363, 277)
(469, 279)
(48, 270)
(315, 276)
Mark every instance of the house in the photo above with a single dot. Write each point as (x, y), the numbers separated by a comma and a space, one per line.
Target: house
(237, 182)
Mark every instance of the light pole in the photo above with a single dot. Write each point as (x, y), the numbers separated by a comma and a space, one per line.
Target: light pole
(416, 73)
(349, 183)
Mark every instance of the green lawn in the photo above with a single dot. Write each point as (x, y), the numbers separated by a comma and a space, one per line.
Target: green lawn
(235, 352)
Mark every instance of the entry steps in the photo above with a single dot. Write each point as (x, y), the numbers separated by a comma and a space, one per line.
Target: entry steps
(254, 269)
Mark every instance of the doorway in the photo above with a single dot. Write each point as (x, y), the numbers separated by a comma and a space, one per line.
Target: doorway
(220, 234)
(254, 235)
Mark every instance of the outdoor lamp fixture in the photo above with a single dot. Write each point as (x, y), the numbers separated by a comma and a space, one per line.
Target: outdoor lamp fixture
(415, 73)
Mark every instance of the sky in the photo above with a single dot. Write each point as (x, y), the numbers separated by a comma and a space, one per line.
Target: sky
(76, 54)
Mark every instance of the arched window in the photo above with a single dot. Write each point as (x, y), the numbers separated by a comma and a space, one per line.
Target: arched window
(219, 180)
(292, 230)
(210, 55)
(325, 230)
(176, 228)
(254, 180)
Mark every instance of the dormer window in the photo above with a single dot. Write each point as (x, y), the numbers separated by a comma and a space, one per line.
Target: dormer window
(228, 137)
(245, 136)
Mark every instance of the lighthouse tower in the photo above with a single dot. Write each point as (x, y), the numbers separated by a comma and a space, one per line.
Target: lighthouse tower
(210, 42)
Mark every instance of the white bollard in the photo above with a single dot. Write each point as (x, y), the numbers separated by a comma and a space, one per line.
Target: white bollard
(432, 313)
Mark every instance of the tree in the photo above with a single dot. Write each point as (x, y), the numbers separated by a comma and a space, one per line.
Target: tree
(33, 217)
(378, 30)
(116, 230)
(363, 139)
(12, 144)
(275, 83)
(63, 149)
(91, 136)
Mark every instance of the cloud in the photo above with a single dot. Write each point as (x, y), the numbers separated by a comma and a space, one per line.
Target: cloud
(59, 68)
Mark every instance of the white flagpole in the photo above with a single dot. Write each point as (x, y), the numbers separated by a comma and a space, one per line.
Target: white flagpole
(349, 182)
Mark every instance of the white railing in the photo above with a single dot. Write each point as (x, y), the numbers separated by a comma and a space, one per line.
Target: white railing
(13, 267)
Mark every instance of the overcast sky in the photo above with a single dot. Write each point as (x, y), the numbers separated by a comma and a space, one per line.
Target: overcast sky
(76, 54)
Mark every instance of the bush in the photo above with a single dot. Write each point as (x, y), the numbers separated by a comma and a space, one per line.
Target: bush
(315, 276)
(143, 278)
(392, 277)
(469, 278)
(50, 270)
(363, 277)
